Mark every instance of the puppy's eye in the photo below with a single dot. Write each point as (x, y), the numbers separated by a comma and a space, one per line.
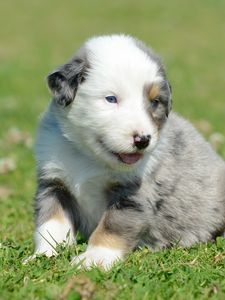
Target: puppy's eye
(154, 103)
(111, 99)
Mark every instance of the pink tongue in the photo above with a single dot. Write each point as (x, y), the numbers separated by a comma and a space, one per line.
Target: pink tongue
(130, 158)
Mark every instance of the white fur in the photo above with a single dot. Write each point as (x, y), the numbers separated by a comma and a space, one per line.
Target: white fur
(49, 235)
(98, 256)
(52, 233)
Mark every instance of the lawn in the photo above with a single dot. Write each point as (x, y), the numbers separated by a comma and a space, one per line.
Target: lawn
(35, 37)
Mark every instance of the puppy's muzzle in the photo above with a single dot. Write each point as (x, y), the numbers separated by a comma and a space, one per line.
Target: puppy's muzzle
(141, 141)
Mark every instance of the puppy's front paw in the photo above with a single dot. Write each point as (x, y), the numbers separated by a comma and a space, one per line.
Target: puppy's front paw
(102, 257)
(47, 252)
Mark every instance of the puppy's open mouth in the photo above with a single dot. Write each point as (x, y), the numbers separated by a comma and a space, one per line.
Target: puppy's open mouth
(126, 158)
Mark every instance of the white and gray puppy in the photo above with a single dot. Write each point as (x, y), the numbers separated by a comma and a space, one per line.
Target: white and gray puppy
(116, 165)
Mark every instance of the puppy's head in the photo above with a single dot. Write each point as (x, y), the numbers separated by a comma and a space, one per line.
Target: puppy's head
(112, 99)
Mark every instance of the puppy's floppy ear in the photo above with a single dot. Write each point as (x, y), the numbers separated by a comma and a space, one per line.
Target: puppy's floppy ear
(64, 82)
(166, 96)
(62, 91)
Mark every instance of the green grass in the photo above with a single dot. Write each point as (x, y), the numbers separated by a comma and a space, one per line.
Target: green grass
(36, 36)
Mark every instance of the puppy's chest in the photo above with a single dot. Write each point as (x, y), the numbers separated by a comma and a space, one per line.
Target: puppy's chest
(91, 199)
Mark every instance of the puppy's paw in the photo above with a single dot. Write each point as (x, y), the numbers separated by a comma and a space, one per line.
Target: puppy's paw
(47, 252)
(102, 257)
(28, 259)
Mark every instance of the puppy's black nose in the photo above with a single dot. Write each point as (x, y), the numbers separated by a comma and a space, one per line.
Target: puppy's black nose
(141, 141)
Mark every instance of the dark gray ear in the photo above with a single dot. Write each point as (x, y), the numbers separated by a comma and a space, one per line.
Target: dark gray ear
(64, 82)
(166, 96)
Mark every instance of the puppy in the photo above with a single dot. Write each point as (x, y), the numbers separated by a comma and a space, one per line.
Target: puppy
(114, 164)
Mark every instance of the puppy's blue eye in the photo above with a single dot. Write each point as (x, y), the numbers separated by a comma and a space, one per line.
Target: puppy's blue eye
(155, 103)
(111, 99)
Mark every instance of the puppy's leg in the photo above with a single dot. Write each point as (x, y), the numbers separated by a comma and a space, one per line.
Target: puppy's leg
(117, 233)
(54, 207)
(56, 230)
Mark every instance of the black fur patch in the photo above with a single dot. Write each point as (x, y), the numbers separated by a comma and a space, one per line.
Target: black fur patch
(218, 232)
(159, 204)
(170, 218)
(61, 194)
(125, 203)
(122, 196)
